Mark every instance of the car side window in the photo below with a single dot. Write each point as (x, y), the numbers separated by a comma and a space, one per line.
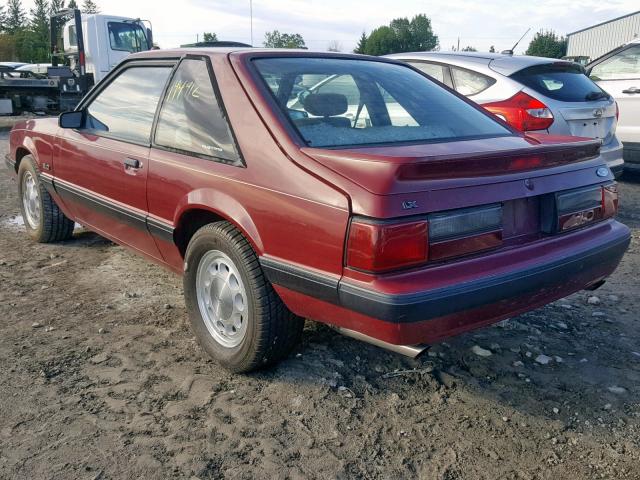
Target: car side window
(621, 66)
(125, 108)
(191, 119)
(469, 83)
(433, 70)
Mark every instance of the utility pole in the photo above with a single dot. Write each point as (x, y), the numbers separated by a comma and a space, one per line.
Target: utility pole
(458, 44)
(251, 15)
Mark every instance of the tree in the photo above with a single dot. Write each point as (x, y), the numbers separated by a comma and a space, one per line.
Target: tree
(404, 40)
(381, 41)
(89, 6)
(469, 48)
(38, 41)
(547, 44)
(72, 4)
(209, 37)
(423, 37)
(3, 18)
(15, 17)
(276, 39)
(492, 49)
(334, 46)
(362, 44)
(402, 35)
(55, 6)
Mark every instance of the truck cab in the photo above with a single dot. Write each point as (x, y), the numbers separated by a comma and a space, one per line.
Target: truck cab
(108, 40)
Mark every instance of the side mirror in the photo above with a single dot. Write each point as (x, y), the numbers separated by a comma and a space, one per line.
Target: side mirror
(71, 119)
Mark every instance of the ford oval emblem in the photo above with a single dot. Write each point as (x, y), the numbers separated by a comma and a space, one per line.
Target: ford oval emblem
(602, 172)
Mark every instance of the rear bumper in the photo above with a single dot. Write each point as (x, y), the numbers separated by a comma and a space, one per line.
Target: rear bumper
(426, 306)
(631, 155)
(420, 306)
(613, 155)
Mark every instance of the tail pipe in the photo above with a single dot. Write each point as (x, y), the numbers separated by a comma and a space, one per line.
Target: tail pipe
(412, 351)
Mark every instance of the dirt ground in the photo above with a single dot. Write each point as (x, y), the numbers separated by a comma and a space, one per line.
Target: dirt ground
(101, 378)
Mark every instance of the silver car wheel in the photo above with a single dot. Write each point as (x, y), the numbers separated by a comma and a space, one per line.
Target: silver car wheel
(222, 299)
(31, 200)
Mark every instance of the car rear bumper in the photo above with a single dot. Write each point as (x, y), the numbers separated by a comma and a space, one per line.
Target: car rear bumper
(632, 156)
(613, 155)
(426, 306)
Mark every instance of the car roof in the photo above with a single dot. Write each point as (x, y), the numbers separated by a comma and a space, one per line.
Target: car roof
(249, 51)
(498, 62)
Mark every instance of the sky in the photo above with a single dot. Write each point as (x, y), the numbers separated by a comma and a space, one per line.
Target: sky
(478, 24)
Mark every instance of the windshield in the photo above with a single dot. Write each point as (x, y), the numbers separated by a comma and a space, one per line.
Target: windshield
(336, 102)
(129, 37)
(565, 82)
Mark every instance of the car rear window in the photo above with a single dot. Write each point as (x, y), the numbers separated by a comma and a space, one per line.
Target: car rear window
(565, 82)
(337, 102)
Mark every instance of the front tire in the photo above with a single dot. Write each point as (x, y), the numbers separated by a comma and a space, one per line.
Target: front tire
(235, 313)
(43, 219)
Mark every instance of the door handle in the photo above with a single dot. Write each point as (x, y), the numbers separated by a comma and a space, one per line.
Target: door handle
(631, 90)
(132, 163)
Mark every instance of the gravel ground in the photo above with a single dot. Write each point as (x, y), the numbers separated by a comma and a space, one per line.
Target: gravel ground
(101, 378)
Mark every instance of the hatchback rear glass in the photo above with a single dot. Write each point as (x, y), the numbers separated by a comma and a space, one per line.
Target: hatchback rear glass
(337, 102)
(563, 81)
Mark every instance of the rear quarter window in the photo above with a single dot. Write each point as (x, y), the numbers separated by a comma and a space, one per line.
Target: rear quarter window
(470, 83)
(191, 118)
(565, 82)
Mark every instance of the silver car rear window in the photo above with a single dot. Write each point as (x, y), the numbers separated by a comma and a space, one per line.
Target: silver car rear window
(560, 81)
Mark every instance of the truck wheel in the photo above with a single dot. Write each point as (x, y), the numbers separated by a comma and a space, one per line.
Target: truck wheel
(43, 219)
(235, 313)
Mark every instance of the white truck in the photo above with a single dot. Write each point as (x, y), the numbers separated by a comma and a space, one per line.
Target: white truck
(84, 48)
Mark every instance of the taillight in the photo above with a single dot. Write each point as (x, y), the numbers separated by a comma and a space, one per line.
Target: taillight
(610, 200)
(579, 207)
(376, 247)
(463, 231)
(523, 112)
(379, 246)
(617, 111)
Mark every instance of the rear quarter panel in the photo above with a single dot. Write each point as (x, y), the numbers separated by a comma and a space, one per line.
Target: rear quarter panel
(285, 212)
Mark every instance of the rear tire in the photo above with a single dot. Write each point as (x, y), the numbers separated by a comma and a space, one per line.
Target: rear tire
(43, 219)
(235, 313)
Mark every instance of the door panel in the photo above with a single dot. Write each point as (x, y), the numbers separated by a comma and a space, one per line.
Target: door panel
(101, 190)
(102, 168)
(619, 75)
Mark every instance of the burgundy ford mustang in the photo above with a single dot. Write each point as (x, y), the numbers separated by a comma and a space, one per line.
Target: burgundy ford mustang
(350, 190)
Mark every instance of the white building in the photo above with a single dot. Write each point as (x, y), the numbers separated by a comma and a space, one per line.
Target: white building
(599, 39)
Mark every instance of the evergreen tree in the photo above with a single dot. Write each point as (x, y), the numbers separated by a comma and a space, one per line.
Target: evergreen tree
(3, 18)
(56, 6)
(492, 49)
(15, 17)
(39, 30)
(89, 6)
(362, 44)
(72, 4)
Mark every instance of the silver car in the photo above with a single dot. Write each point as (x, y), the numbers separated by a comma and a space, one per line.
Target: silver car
(530, 93)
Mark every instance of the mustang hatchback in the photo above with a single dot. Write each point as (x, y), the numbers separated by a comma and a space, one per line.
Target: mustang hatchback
(351, 190)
